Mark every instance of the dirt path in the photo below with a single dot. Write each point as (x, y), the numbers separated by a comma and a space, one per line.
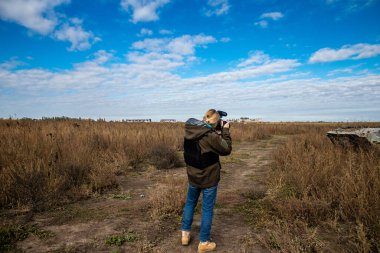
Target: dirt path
(243, 174)
(85, 225)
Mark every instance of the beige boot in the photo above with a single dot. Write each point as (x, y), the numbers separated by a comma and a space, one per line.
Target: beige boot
(206, 246)
(185, 240)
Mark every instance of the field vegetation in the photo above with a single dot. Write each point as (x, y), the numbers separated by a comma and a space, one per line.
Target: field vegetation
(49, 162)
(320, 197)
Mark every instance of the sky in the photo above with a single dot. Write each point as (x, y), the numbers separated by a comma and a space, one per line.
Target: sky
(277, 60)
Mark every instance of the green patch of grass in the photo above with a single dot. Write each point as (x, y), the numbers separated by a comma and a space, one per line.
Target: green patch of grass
(219, 205)
(255, 209)
(122, 196)
(40, 233)
(272, 242)
(230, 159)
(287, 191)
(131, 236)
(252, 210)
(9, 236)
(117, 240)
(120, 239)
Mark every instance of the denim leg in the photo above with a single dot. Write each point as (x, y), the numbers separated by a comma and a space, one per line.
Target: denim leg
(208, 202)
(191, 202)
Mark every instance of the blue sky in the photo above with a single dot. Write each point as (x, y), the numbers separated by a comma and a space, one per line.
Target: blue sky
(114, 59)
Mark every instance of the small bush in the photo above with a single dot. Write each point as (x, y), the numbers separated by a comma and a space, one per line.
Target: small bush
(168, 198)
(164, 157)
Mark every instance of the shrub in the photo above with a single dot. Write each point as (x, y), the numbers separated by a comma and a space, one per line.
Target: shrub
(168, 198)
(164, 157)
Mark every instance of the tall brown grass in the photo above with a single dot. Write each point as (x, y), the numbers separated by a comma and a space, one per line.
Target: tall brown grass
(46, 162)
(321, 193)
(50, 162)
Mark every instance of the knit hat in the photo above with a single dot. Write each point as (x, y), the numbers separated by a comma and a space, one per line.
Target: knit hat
(211, 117)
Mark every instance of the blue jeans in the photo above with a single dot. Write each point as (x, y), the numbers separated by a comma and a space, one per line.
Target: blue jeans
(208, 202)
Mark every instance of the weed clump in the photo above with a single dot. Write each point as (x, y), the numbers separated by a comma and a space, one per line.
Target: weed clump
(10, 235)
(168, 198)
(120, 239)
(164, 157)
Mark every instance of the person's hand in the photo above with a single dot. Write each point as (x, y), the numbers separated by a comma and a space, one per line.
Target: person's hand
(227, 125)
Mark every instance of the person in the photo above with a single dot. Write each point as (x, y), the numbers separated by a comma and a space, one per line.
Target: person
(204, 142)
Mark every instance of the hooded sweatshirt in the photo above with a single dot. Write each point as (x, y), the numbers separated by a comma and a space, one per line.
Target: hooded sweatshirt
(209, 141)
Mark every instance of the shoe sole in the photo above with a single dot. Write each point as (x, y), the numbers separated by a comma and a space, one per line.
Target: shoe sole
(202, 251)
(185, 244)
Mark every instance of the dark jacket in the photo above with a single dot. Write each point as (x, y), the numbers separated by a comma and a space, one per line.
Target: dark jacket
(209, 141)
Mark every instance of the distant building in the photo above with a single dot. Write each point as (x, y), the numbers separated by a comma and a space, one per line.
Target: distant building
(168, 120)
(244, 120)
(137, 120)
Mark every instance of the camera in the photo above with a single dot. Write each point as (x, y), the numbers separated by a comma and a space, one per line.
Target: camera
(221, 123)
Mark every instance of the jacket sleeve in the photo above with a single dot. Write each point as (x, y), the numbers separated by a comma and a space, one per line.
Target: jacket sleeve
(220, 144)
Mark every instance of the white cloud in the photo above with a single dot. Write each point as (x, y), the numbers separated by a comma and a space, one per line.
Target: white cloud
(349, 6)
(217, 7)
(262, 23)
(146, 66)
(183, 45)
(36, 15)
(12, 63)
(225, 39)
(353, 52)
(146, 85)
(272, 15)
(257, 57)
(255, 66)
(98, 89)
(76, 35)
(165, 32)
(143, 10)
(156, 61)
(340, 71)
(40, 17)
(145, 32)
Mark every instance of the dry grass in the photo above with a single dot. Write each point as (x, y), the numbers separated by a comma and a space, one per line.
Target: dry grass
(45, 163)
(50, 162)
(168, 198)
(322, 198)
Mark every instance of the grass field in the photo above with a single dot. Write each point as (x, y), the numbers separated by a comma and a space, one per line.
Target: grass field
(319, 197)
